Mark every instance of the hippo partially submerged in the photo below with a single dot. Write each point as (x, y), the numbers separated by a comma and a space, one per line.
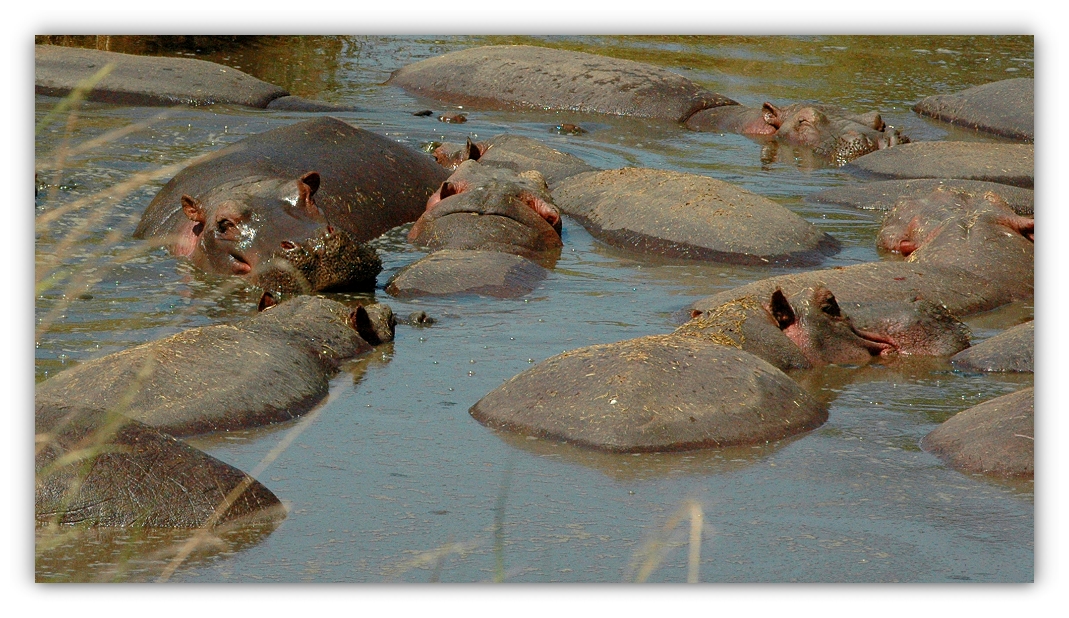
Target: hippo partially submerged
(528, 77)
(269, 368)
(286, 186)
(996, 438)
(98, 468)
(968, 253)
(690, 216)
(491, 230)
(833, 134)
(514, 152)
(1005, 108)
(657, 393)
(810, 328)
(1010, 350)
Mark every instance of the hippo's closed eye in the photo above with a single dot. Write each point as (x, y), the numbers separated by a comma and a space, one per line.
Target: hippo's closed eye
(828, 304)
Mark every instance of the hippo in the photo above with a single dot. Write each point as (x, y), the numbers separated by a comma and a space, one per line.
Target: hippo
(1010, 350)
(832, 133)
(654, 393)
(965, 252)
(147, 80)
(493, 232)
(489, 209)
(884, 194)
(266, 369)
(541, 78)
(283, 187)
(98, 468)
(810, 328)
(1009, 164)
(329, 261)
(514, 152)
(995, 438)
(1004, 108)
(690, 216)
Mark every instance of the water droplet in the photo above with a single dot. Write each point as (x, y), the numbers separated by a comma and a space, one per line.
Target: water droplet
(471, 373)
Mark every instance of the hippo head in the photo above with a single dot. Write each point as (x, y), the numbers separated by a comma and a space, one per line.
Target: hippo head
(949, 219)
(480, 208)
(833, 135)
(813, 321)
(450, 156)
(237, 225)
(329, 261)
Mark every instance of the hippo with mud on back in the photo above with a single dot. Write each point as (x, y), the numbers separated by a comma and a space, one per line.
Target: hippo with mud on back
(810, 328)
(286, 187)
(831, 133)
(968, 253)
(270, 368)
(492, 232)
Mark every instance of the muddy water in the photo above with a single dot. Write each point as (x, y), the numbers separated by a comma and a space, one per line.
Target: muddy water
(391, 479)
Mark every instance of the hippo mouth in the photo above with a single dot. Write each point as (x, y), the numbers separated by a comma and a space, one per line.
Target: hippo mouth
(238, 264)
(876, 344)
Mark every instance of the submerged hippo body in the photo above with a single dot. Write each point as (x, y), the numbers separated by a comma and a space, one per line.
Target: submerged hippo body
(1010, 164)
(270, 368)
(690, 216)
(94, 468)
(995, 438)
(657, 393)
(1010, 350)
(967, 253)
(810, 329)
(833, 134)
(528, 77)
(884, 194)
(491, 230)
(1004, 108)
(229, 213)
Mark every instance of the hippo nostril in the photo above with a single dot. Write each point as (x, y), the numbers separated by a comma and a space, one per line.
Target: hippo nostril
(330, 229)
(287, 245)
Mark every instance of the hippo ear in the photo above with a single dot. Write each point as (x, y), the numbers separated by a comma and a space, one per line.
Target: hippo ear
(472, 151)
(1025, 226)
(448, 189)
(827, 303)
(194, 210)
(266, 301)
(781, 310)
(307, 186)
(771, 115)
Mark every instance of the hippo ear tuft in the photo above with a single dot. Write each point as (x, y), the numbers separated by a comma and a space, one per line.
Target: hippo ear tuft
(781, 309)
(473, 152)
(771, 115)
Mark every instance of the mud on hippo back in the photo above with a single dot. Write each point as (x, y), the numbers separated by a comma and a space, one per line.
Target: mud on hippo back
(281, 188)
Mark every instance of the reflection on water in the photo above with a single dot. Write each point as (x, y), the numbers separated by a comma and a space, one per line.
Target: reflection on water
(393, 480)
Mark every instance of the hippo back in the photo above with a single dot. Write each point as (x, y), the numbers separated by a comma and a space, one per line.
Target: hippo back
(370, 183)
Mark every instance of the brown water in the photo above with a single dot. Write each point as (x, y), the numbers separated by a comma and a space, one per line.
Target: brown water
(392, 480)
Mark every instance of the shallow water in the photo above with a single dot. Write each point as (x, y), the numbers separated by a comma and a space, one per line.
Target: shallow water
(392, 480)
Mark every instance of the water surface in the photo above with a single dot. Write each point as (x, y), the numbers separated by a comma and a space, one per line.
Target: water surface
(392, 480)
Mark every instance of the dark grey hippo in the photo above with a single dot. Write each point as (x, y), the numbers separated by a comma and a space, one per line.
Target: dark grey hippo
(269, 368)
(491, 230)
(810, 328)
(833, 134)
(884, 194)
(1009, 164)
(284, 187)
(95, 468)
(158, 80)
(657, 393)
(996, 438)
(967, 253)
(1004, 108)
(1010, 350)
(514, 152)
(528, 77)
(690, 216)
